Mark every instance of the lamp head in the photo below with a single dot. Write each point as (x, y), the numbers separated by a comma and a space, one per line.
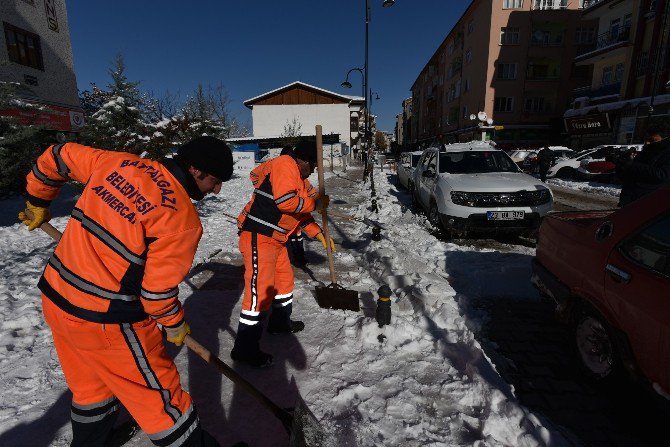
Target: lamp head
(346, 84)
(388, 3)
(489, 121)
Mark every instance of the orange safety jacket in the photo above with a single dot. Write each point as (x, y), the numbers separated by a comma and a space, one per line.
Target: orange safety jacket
(131, 239)
(281, 203)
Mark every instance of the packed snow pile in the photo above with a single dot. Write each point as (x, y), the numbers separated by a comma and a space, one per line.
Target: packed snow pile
(605, 189)
(425, 382)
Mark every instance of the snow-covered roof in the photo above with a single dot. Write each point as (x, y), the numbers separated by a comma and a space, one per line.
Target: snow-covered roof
(347, 98)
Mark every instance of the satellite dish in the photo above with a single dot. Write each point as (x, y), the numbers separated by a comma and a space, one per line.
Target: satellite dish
(473, 116)
(482, 116)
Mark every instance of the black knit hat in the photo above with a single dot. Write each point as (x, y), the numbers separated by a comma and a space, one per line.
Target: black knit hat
(306, 150)
(208, 154)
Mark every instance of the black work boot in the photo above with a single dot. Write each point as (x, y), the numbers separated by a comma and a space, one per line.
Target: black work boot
(293, 327)
(281, 323)
(247, 348)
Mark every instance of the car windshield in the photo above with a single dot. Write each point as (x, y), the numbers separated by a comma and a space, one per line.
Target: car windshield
(473, 162)
(415, 160)
(519, 154)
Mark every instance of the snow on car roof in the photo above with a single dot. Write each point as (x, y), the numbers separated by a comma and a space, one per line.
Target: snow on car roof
(469, 146)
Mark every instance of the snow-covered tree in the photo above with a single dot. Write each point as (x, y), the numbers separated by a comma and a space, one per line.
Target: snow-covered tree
(114, 117)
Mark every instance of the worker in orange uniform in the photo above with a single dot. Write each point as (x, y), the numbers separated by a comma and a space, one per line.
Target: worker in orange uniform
(280, 205)
(114, 278)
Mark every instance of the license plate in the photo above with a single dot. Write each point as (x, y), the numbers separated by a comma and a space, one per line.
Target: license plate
(504, 215)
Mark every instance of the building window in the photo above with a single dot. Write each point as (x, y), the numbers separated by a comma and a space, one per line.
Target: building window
(608, 75)
(509, 36)
(550, 4)
(503, 104)
(457, 89)
(537, 105)
(23, 47)
(353, 123)
(468, 56)
(471, 26)
(466, 86)
(618, 72)
(466, 115)
(450, 48)
(584, 35)
(512, 4)
(507, 71)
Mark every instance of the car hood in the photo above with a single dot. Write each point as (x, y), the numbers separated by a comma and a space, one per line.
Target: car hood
(492, 181)
(581, 218)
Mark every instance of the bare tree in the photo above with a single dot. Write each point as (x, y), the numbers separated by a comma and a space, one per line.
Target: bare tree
(292, 131)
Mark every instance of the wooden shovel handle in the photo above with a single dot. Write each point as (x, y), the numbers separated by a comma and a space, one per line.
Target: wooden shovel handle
(322, 191)
(46, 227)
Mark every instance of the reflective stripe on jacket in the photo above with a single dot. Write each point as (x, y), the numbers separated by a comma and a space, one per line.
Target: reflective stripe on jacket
(131, 239)
(281, 201)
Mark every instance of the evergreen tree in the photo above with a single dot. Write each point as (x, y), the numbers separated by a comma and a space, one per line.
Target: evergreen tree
(20, 142)
(114, 118)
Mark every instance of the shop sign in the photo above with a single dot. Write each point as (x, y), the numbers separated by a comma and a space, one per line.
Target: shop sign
(52, 19)
(588, 124)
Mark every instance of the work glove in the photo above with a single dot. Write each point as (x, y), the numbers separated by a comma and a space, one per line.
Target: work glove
(40, 216)
(322, 239)
(322, 202)
(177, 334)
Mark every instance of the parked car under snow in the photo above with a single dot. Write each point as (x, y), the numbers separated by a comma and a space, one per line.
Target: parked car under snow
(473, 187)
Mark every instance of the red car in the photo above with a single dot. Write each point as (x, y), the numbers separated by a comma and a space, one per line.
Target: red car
(609, 273)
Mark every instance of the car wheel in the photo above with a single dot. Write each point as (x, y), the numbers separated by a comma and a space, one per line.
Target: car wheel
(595, 346)
(566, 173)
(434, 216)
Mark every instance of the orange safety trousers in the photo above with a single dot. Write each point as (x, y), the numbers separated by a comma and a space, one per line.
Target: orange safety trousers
(268, 275)
(124, 361)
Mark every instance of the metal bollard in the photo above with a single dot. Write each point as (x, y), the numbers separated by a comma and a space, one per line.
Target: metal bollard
(383, 312)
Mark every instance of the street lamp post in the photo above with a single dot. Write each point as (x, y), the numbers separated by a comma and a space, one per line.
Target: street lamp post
(346, 84)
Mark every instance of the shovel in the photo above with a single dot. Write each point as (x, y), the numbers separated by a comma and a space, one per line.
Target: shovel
(303, 428)
(331, 296)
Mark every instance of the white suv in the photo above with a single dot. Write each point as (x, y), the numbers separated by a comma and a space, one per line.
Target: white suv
(408, 161)
(474, 187)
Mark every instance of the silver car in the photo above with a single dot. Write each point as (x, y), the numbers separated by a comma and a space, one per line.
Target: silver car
(408, 161)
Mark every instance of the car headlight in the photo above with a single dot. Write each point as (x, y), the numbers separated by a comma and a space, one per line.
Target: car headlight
(463, 198)
(539, 197)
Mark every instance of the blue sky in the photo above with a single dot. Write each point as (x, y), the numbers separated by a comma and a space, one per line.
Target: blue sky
(254, 46)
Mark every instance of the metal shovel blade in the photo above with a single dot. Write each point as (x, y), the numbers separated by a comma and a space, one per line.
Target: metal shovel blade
(335, 296)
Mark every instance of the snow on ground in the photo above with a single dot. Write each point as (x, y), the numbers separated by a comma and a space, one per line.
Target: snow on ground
(590, 187)
(428, 383)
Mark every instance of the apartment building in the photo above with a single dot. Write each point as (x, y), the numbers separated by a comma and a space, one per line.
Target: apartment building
(629, 64)
(513, 60)
(36, 54)
(403, 126)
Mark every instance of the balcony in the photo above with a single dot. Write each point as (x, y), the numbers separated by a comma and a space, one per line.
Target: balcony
(614, 38)
(603, 90)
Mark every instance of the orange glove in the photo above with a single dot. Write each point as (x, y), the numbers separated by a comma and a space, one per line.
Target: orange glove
(40, 215)
(177, 334)
(322, 239)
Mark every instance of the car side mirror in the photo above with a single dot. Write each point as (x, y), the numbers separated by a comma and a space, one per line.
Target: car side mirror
(604, 231)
